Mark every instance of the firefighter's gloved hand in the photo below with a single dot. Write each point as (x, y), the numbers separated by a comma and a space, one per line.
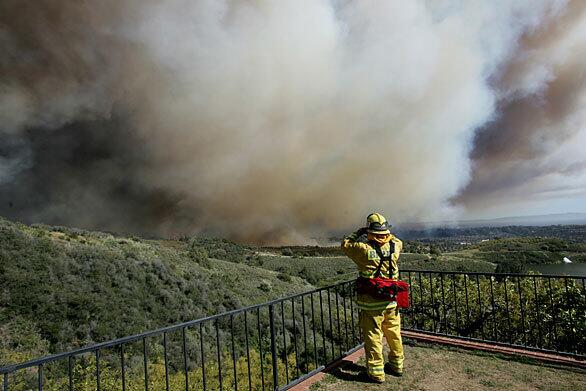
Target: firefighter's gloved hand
(360, 232)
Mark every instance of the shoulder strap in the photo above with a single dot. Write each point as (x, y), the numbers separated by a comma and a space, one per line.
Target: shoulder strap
(383, 258)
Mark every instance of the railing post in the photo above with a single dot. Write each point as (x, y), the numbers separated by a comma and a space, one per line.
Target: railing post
(166, 359)
(5, 387)
(145, 364)
(98, 387)
(219, 355)
(40, 377)
(122, 367)
(274, 348)
(185, 362)
(203, 356)
(70, 373)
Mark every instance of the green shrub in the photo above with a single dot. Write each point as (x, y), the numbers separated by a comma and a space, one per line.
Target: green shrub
(434, 250)
(199, 255)
(287, 252)
(284, 277)
(265, 286)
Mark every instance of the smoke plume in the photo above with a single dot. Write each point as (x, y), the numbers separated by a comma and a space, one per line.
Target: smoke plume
(534, 148)
(271, 121)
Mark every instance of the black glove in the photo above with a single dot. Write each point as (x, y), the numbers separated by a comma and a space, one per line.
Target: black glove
(360, 232)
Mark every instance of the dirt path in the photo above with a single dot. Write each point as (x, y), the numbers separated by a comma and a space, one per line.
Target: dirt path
(443, 368)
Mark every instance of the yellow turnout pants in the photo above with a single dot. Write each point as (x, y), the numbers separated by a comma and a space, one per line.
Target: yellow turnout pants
(375, 324)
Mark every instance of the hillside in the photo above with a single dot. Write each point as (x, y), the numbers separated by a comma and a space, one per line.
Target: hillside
(61, 288)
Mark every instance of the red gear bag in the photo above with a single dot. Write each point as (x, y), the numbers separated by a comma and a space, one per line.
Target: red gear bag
(385, 289)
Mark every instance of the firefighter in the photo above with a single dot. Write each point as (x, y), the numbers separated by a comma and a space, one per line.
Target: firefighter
(378, 317)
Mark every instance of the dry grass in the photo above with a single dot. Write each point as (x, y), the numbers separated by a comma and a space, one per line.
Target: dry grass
(442, 368)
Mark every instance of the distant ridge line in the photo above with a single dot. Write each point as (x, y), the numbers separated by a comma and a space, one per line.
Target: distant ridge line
(530, 220)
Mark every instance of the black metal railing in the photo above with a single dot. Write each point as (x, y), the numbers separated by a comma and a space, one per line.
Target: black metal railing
(540, 312)
(269, 346)
(275, 345)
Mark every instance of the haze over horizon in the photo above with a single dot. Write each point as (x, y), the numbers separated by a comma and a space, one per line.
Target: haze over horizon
(568, 218)
(268, 121)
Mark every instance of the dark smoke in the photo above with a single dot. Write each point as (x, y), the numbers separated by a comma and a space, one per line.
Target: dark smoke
(83, 174)
(67, 156)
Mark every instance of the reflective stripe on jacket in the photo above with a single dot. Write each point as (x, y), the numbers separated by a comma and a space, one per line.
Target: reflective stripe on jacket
(367, 260)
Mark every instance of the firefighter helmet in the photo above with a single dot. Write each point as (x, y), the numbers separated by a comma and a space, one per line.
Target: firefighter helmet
(377, 224)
